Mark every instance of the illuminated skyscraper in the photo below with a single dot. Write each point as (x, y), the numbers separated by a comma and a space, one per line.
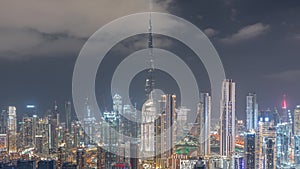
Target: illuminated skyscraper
(297, 120)
(147, 127)
(168, 124)
(251, 111)
(269, 147)
(227, 127)
(203, 121)
(110, 136)
(28, 134)
(89, 124)
(297, 136)
(165, 131)
(283, 145)
(12, 129)
(297, 151)
(265, 150)
(249, 149)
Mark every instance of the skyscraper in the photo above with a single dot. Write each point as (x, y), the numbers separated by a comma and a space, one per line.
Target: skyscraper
(283, 144)
(12, 129)
(168, 124)
(265, 150)
(249, 149)
(89, 123)
(203, 121)
(227, 127)
(297, 136)
(166, 131)
(147, 127)
(251, 111)
(3, 122)
(68, 117)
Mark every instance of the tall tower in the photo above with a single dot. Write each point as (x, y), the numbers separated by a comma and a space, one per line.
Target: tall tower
(89, 123)
(251, 111)
(68, 110)
(204, 117)
(227, 130)
(150, 82)
(12, 129)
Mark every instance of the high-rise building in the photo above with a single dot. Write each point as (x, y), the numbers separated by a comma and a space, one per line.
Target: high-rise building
(3, 122)
(168, 136)
(297, 120)
(149, 111)
(89, 123)
(68, 111)
(283, 145)
(297, 150)
(270, 152)
(249, 150)
(53, 122)
(251, 111)
(28, 134)
(109, 136)
(227, 127)
(265, 151)
(3, 142)
(297, 136)
(203, 122)
(12, 129)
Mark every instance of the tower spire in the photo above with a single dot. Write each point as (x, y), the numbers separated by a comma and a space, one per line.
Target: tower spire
(150, 80)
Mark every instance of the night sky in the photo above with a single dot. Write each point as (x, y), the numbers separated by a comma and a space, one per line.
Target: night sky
(258, 42)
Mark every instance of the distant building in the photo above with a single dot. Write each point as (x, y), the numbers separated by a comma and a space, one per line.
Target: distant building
(251, 111)
(297, 136)
(68, 111)
(12, 129)
(203, 121)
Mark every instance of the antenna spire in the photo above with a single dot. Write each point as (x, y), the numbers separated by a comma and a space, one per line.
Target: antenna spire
(150, 80)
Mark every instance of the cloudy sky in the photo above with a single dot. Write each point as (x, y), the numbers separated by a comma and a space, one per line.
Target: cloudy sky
(258, 42)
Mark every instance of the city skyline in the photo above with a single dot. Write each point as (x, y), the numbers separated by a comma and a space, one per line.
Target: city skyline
(144, 84)
(42, 76)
